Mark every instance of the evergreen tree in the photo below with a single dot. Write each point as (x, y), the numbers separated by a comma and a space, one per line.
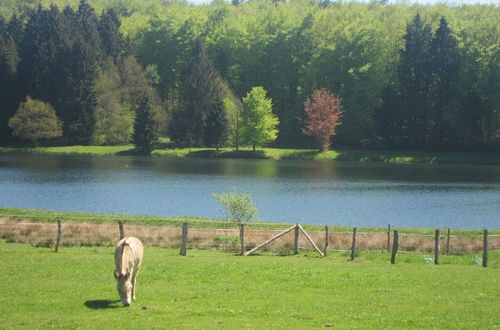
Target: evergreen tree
(414, 74)
(146, 125)
(9, 98)
(89, 24)
(44, 40)
(445, 64)
(200, 118)
(109, 30)
(80, 99)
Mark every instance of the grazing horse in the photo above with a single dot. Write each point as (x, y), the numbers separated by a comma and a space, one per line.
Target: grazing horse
(128, 260)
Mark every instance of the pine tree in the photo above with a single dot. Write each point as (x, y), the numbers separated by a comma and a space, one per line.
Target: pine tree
(414, 74)
(9, 88)
(89, 32)
(445, 63)
(109, 30)
(200, 118)
(43, 41)
(146, 125)
(80, 100)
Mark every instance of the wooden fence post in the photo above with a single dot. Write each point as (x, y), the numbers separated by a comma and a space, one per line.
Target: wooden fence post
(395, 246)
(353, 248)
(437, 246)
(296, 240)
(242, 238)
(448, 242)
(310, 240)
(59, 233)
(389, 238)
(122, 231)
(485, 248)
(184, 238)
(326, 241)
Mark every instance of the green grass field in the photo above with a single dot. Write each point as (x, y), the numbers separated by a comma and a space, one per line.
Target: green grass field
(391, 156)
(213, 290)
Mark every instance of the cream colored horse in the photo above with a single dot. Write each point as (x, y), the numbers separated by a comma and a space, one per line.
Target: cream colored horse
(128, 260)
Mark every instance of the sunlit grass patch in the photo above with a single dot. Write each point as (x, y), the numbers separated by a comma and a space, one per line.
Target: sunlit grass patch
(211, 289)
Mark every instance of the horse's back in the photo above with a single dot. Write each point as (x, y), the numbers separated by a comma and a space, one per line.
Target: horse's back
(135, 246)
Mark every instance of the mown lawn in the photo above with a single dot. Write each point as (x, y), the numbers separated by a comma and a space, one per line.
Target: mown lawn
(209, 289)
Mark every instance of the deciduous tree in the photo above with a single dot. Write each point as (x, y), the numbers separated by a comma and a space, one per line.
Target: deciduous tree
(257, 122)
(34, 121)
(323, 114)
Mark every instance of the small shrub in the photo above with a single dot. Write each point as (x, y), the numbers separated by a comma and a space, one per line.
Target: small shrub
(238, 206)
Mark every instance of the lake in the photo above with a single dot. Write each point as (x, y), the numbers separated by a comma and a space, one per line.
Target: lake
(323, 193)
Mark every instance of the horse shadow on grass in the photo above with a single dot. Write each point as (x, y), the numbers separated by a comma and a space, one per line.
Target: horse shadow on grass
(102, 304)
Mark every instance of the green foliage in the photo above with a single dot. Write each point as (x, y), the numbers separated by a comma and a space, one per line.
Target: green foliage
(146, 125)
(113, 117)
(35, 121)
(362, 51)
(257, 122)
(239, 207)
(233, 109)
(200, 118)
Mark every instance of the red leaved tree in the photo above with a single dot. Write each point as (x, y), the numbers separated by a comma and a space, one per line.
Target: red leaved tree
(323, 115)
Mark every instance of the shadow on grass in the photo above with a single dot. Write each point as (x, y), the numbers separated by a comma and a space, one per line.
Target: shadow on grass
(133, 152)
(102, 304)
(259, 154)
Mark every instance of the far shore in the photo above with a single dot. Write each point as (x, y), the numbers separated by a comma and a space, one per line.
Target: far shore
(353, 155)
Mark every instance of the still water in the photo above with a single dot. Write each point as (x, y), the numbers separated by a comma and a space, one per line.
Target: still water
(360, 194)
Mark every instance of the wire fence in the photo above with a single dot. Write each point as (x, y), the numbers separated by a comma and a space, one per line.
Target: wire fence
(43, 234)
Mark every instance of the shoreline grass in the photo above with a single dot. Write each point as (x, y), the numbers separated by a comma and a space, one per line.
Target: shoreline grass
(213, 290)
(38, 215)
(37, 228)
(353, 155)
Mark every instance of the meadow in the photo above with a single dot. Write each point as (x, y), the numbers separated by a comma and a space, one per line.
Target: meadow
(208, 289)
(355, 155)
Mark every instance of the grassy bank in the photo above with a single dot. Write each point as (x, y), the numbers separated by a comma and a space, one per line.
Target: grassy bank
(392, 156)
(37, 228)
(203, 223)
(212, 290)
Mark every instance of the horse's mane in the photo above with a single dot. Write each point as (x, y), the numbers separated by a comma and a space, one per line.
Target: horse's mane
(123, 264)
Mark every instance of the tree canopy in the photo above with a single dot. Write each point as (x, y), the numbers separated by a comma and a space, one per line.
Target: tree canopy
(323, 115)
(409, 76)
(35, 121)
(257, 121)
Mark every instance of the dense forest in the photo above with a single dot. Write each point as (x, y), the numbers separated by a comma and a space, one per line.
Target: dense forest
(121, 71)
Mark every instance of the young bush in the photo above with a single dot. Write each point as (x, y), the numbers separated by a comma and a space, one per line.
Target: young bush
(238, 206)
